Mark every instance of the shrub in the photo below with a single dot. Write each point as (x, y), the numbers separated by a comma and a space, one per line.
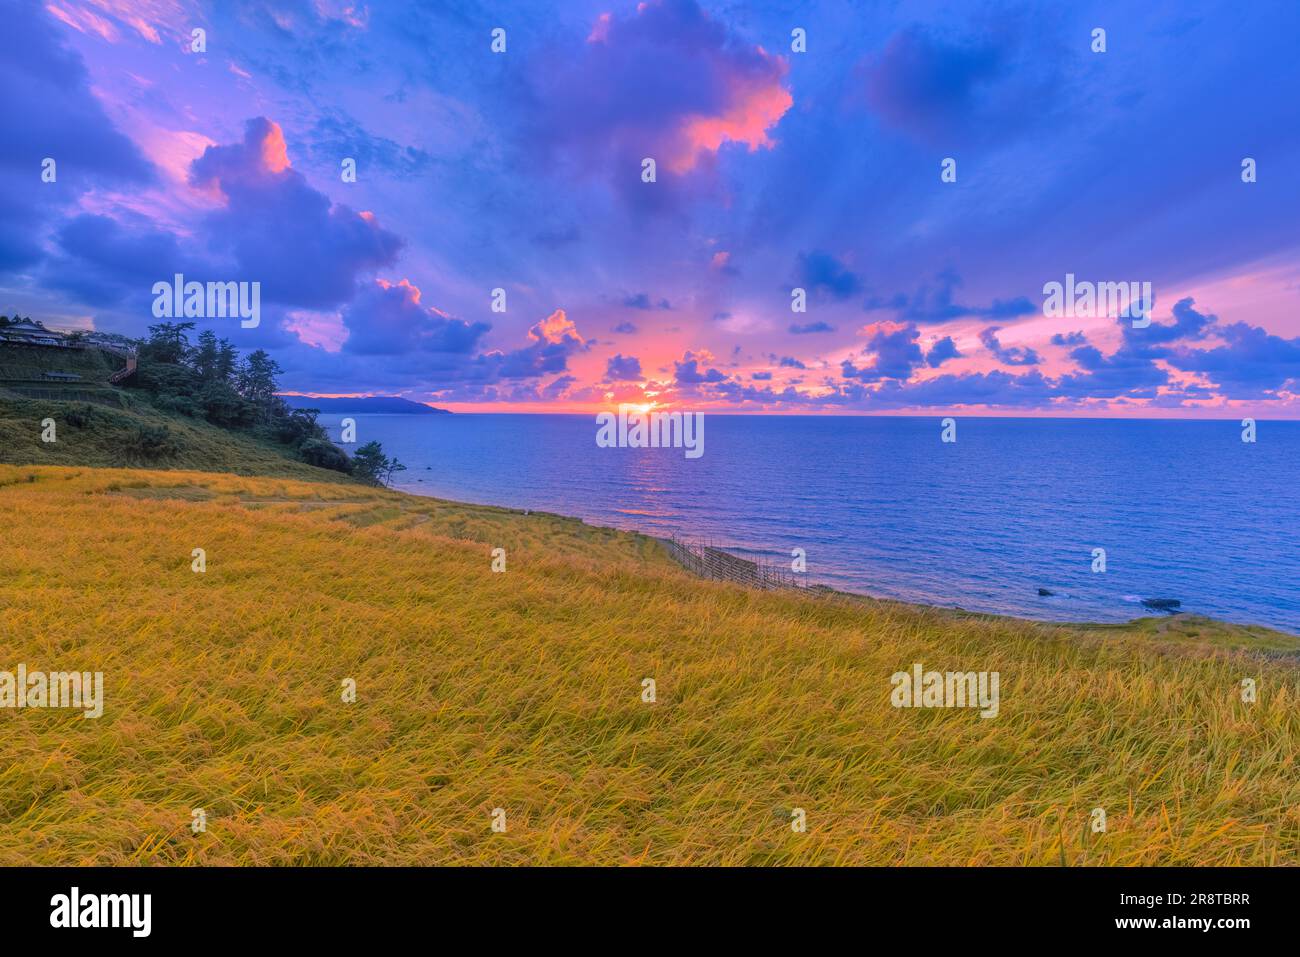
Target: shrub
(326, 455)
(80, 416)
(151, 442)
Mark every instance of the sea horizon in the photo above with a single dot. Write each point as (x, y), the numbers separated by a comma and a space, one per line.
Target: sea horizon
(479, 410)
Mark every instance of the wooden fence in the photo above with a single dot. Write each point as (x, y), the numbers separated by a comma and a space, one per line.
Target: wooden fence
(708, 561)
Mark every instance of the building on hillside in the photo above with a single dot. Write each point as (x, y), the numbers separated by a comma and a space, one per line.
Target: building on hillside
(62, 359)
(28, 332)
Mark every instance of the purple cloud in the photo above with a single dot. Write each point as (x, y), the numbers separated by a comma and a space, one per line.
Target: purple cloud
(687, 372)
(822, 273)
(551, 342)
(50, 112)
(1251, 363)
(388, 319)
(941, 352)
(894, 350)
(808, 328)
(622, 368)
(665, 81)
(1012, 356)
(305, 250)
(933, 302)
(920, 82)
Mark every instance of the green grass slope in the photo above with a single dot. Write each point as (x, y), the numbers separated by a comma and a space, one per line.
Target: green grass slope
(94, 434)
(32, 362)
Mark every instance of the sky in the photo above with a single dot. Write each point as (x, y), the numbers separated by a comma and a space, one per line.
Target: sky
(796, 147)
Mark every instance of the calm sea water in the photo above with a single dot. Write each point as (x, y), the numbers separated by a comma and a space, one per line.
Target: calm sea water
(1183, 509)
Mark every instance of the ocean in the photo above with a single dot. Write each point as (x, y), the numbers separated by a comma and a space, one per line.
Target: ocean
(1183, 509)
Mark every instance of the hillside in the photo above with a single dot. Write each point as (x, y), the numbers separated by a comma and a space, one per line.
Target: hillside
(118, 436)
(522, 690)
(381, 404)
(31, 363)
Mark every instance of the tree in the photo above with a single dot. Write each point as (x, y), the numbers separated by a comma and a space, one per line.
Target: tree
(223, 406)
(207, 357)
(227, 360)
(370, 464)
(168, 342)
(210, 381)
(297, 426)
(257, 383)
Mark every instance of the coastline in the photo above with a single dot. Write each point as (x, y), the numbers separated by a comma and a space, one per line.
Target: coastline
(885, 509)
(1178, 621)
(1183, 624)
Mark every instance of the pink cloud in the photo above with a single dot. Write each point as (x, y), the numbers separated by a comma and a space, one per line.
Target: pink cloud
(756, 105)
(665, 81)
(557, 329)
(323, 330)
(84, 21)
(141, 17)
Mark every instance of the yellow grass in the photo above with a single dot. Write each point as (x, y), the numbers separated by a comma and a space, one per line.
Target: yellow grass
(522, 691)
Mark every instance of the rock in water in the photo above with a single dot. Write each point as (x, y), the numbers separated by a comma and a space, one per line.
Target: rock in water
(1162, 604)
(1045, 593)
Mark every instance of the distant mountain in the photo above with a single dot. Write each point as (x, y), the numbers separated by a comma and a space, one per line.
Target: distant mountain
(387, 404)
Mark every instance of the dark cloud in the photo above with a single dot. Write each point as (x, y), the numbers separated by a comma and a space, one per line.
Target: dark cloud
(435, 353)
(687, 372)
(996, 388)
(1012, 356)
(389, 319)
(50, 111)
(941, 352)
(305, 250)
(1251, 363)
(1188, 324)
(336, 135)
(923, 83)
(1069, 339)
(104, 262)
(933, 302)
(558, 387)
(1131, 370)
(822, 273)
(950, 88)
(642, 300)
(810, 327)
(894, 351)
(622, 368)
(1126, 372)
(663, 80)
